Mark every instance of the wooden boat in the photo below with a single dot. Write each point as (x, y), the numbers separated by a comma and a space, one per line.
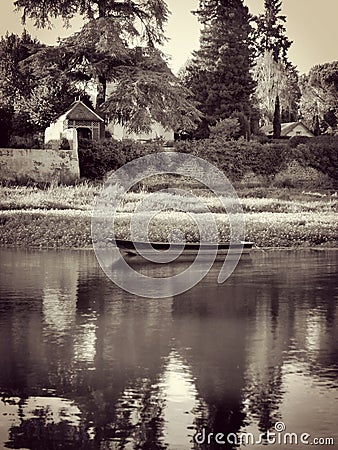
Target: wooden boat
(190, 249)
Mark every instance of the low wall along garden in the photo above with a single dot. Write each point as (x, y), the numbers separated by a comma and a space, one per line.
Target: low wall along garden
(309, 164)
(39, 166)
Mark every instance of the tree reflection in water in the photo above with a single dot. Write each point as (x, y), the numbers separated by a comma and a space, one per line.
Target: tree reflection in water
(46, 426)
(212, 327)
(72, 334)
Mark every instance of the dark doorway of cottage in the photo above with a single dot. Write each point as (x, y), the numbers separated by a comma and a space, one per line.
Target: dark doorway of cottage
(84, 133)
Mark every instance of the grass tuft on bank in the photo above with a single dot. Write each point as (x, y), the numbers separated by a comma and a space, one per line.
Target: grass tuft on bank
(60, 216)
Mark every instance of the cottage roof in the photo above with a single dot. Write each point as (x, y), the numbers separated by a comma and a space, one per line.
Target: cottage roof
(80, 111)
(286, 128)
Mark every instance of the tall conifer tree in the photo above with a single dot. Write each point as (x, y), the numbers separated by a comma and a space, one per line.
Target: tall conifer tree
(274, 73)
(219, 74)
(277, 120)
(270, 34)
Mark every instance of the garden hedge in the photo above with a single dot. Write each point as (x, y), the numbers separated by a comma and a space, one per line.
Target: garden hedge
(234, 157)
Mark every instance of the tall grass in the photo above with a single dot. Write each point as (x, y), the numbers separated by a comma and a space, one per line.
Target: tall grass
(82, 197)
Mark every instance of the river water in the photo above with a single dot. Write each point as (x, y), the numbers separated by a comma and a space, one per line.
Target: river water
(84, 365)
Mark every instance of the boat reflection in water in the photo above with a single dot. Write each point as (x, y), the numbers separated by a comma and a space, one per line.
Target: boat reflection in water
(85, 365)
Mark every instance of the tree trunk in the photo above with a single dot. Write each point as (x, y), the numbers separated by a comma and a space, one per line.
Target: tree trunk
(101, 91)
(102, 8)
(316, 127)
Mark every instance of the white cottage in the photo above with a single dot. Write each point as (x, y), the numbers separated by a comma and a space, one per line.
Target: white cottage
(289, 129)
(79, 116)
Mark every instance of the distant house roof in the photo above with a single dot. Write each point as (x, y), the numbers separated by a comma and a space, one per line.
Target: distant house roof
(80, 111)
(286, 128)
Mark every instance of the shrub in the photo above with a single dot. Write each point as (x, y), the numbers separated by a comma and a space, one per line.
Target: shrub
(294, 141)
(321, 153)
(98, 158)
(236, 158)
(244, 126)
(284, 183)
(226, 128)
(27, 141)
(64, 144)
(300, 175)
(266, 159)
(260, 137)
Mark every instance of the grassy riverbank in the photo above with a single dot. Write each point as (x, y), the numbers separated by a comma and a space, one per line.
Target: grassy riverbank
(60, 216)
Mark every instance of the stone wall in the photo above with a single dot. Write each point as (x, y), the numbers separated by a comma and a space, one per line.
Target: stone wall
(39, 165)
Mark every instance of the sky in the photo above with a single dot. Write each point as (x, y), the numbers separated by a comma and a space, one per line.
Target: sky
(311, 25)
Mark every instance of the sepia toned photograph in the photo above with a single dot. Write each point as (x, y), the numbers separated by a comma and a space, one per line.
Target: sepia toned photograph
(168, 217)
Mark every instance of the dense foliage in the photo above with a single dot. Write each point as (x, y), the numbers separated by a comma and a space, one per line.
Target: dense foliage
(236, 158)
(31, 92)
(219, 73)
(151, 15)
(273, 72)
(270, 32)
(98, 158)
(319, 102)
(320, 153)
(6, 114)
(117, 46)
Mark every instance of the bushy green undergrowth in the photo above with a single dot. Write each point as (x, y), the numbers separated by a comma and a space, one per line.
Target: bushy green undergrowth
(321, 153)
(235, 158)
(98, 158)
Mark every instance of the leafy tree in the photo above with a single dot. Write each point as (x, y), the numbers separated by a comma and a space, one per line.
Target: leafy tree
(225, 128)
(52, 88)
(273, 72)
(13, 50)
(49, 98)
(14, 85)
(103, 42)
(117, 47)
(277, 120)
(143, 19)
(219, 74)
(33, 85)
(269, 35)
(289, 94)
(149, 91)
(319, 101)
